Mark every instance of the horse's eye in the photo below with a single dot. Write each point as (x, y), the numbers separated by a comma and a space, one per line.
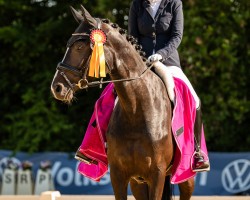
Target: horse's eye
(79, 47)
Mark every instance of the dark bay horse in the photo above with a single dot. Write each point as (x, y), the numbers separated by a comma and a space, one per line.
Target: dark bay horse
(140, 144)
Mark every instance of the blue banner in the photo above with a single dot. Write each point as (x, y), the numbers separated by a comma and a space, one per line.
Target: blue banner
(229, 174)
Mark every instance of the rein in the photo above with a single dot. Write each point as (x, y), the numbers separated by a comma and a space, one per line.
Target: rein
(83, 82)
(87, 84)
(95, 83)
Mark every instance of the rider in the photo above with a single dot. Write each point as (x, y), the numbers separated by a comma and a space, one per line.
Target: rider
(158, 27)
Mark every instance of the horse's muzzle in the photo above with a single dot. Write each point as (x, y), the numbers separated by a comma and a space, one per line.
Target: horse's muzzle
(61, 92)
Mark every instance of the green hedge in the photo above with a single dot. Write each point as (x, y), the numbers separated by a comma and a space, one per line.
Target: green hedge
(33, 34)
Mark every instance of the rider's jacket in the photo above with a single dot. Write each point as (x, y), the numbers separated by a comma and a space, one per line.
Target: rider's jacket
(160, 34)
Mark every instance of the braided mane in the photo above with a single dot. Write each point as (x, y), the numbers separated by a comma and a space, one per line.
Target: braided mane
(131, 39)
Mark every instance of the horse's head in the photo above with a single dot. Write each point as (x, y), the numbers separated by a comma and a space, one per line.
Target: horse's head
(71, 72)
(84, 58)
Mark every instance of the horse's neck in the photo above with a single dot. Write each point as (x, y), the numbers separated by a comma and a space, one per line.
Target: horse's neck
(136, 95)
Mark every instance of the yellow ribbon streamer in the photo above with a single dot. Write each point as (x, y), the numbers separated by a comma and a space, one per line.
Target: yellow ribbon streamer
(97, 61)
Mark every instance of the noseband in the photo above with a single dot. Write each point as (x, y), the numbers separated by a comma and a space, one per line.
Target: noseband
(82, 83)
(82, 73)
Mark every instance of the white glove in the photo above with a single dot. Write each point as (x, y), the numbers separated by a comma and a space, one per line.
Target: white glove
(154, 57)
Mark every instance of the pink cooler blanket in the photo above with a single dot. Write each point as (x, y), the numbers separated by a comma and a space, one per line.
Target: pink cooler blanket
(183, 119)
(93, 144)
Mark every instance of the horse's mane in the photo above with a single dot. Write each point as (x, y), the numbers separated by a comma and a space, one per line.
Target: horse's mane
(131, 39)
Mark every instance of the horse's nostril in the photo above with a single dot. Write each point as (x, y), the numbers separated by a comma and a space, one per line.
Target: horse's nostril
(58, 88)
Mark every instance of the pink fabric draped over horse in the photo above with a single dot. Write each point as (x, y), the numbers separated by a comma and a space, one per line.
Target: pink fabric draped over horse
(94, 142)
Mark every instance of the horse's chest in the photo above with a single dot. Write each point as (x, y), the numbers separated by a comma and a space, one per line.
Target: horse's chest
(135, 152)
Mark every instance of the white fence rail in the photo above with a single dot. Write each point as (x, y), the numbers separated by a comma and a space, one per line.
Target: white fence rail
(55, 195)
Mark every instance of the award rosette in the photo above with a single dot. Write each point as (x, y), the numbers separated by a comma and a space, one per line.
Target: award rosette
(97, 61)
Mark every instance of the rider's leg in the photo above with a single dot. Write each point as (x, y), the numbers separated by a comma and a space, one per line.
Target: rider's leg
(199, 163)
(178, 73)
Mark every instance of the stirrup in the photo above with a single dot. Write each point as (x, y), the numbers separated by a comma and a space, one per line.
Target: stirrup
(198, 163)
(82, 158)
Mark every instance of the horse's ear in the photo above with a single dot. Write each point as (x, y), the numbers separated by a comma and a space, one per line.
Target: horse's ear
(89, 19)
(78, 17)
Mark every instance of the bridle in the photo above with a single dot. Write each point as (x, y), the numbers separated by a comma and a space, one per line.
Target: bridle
(82, 72)
(82, 83)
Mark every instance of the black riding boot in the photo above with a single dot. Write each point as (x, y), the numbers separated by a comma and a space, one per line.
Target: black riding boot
(199, 164)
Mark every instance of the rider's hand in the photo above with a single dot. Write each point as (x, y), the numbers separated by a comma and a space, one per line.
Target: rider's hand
(154, 57)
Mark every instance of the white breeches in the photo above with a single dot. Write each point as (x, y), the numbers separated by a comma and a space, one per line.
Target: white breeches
(167, 73)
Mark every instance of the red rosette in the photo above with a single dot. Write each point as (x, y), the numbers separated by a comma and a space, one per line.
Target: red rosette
(97, 35)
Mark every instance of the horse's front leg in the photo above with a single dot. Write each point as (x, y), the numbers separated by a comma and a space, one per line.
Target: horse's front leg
(156, 184)
(139, 190)
(186, 189)
(119, 182)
